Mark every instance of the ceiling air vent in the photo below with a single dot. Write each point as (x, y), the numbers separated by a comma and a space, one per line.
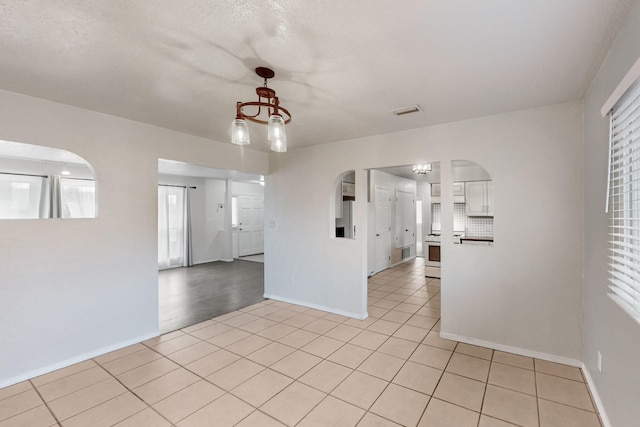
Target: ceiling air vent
(407, 110)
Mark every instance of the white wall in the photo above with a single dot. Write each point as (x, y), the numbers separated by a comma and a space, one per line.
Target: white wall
(606, 327)
(524, 293)
(71, 289)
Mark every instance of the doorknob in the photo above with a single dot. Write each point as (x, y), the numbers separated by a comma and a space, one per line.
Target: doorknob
(377, 235)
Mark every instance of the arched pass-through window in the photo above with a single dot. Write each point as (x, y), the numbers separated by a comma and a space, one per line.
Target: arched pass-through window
(38, 182)
(343, 196)
(473, 204)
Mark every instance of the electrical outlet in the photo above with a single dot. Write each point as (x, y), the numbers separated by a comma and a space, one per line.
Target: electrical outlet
(599, 362)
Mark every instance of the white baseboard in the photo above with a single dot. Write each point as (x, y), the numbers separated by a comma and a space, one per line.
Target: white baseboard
(515, 350)
(317, 307)
(596, 397)
(76, 359)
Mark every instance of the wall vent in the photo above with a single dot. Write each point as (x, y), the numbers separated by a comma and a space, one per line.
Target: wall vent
(406, 252)
(407, 110)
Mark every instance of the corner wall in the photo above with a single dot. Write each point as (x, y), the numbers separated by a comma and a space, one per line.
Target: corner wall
(524, 293)
(72, 289)
(607, 328)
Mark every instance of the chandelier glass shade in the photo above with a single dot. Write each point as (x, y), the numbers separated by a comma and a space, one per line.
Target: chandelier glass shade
(421, 169)
(267, 111)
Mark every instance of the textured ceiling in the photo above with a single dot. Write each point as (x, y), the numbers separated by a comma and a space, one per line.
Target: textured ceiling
(341, 66)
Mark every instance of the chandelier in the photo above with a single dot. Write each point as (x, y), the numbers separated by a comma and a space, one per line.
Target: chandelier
(422, 169)
(267, 106)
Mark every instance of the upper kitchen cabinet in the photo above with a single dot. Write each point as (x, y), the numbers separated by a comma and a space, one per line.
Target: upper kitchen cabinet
(479, 198)
(345, 196)
(458, 192)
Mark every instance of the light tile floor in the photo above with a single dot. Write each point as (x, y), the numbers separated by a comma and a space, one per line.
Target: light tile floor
(274, 364)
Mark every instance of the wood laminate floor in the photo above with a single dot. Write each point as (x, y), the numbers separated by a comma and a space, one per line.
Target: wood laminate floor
(189, 295)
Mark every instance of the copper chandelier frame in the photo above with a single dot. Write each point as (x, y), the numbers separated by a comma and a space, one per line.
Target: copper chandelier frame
(270, 103)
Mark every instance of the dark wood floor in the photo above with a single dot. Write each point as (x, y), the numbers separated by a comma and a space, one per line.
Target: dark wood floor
(194, 294)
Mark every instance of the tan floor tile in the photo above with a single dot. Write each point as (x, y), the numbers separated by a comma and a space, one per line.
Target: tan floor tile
(556, 415)
(406, 307)
(418, 377)
(162, 338)
(396, 316)
(270, 354)
(282, 315)
(381, 365)
(460, 391)
(343, 332)
(212, 363)
(377, 312)
(320, 326)
(108, 413)
(395, 297)
(164, 386)
(513, 378)
(12, 390)
(147, 418)
(240, 319)
(513, 360)
(227, 338)
(197, 326)
(235, 374)
(373, 420)
(227, 316)
(385, 303)
(398, 347)
(226, 411)
(385, 327)
(444, 414)
(116, 354)
(145, 373)
(298, 338)
(369, 340)
(361, 324)
(325, 376)
(71, 383)
(299, 320)
(433, 339)
(86, 398)
(468, 366)
(259, 419)
(350, 355)
(431, 356)
(360, 389)
(296, 364)
(511, 406)
(411, 333)
(336, 317)
(64, 372)
(36, 417)
(248, 345)
(277, 331)
(131, 361)
(429, 312)
(475, 351)
(19, 403)
(262, 387)
(562, 390)
(211, 331)
(193, 353)
(416, 300)
(558, 370)
(486, 421)
(293, 403)
(188, 400)
(421, 321)
(322, 346)
(257, 325)
(436, 327)
(400, 405)
(332, 412)
(171, 346)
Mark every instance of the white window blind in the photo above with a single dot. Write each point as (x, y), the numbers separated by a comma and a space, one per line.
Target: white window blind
(624, 202)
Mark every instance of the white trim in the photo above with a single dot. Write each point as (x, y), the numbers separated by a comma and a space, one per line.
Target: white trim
(628, 80)
(317, 307)
(76, 359)
(515, 350)
(596, 397)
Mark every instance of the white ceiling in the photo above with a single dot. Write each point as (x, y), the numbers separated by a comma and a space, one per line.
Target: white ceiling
(341, 66)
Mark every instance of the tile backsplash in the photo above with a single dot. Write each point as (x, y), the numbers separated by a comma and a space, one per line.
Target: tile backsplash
(473, 226)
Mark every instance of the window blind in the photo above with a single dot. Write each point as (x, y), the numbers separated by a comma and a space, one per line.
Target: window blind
(624, 202)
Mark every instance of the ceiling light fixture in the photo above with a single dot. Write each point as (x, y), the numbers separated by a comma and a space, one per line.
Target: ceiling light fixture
(267, 105)
(421, 169)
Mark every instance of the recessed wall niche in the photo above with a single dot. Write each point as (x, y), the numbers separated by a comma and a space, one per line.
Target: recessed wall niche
(344, 197)
(38, 182)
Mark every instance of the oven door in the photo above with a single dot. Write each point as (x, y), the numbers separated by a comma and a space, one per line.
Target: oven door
(432, 258)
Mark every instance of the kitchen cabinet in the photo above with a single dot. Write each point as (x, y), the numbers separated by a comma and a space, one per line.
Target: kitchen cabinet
(458, 192)
(479, 198)
(348, 190)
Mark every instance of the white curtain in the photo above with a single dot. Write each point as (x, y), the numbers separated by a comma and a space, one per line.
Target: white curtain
(171, 227)
(21, 196)
(77, 198)
(188, 249)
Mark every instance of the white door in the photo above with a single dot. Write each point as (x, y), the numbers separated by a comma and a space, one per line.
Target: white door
(250, 225)
(383, 228)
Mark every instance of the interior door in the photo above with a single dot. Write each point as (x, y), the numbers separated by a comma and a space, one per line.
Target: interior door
(250, 225)
(383, 228)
